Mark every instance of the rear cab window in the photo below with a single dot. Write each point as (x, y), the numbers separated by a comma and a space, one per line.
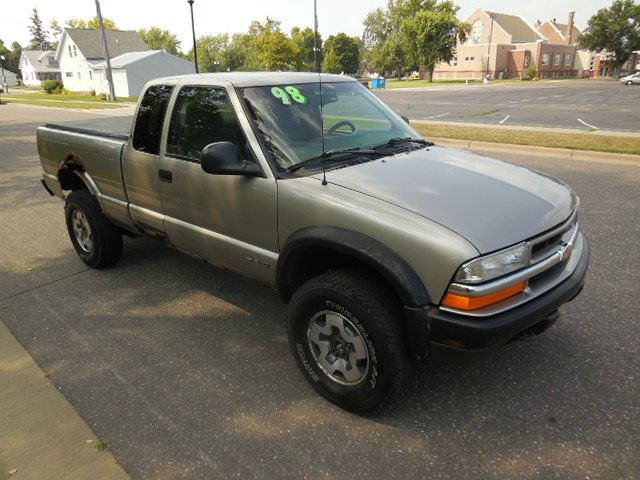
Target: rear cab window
(148, 129)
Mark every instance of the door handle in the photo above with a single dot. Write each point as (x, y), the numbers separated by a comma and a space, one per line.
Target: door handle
(165, 176)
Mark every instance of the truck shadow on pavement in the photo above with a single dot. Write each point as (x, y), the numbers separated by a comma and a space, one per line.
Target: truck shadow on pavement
(185, 366)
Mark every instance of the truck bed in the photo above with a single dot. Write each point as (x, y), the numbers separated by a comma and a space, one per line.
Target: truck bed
(118, 128)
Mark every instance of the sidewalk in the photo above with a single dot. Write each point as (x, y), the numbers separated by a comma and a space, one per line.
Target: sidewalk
(41, 436)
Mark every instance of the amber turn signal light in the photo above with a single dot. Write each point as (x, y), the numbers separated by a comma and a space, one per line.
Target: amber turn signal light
(462, 302)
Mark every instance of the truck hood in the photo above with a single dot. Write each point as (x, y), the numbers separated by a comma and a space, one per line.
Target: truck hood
(493, 204)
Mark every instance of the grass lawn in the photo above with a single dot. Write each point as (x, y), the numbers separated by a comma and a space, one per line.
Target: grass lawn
(26, 100)
(392, 84)
(61, 97)
(575, 141)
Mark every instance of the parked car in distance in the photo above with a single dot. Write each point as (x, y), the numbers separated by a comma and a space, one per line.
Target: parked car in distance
(633, 79)
(381, 242)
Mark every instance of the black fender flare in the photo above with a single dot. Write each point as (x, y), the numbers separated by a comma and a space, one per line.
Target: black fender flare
(377, 256)
(373, 253)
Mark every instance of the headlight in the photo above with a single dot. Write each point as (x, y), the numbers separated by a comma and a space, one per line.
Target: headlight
(495, 265)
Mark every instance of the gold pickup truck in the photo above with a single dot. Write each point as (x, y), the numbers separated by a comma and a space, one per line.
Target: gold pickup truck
(382, 242)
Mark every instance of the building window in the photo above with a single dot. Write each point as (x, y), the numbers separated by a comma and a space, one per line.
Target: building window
(567, 60)
(90, 75)
(526, 61)
(556, 59)
(70, 52)
(75, 51)
(476, 33)
(68, 74)
(454, 62)
(471, 59)
(545, 59)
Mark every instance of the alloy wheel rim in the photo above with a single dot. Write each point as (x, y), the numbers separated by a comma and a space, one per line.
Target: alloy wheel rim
(338, 348)
(82, 231)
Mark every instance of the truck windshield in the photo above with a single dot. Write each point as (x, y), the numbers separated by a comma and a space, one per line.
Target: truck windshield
(288, 118)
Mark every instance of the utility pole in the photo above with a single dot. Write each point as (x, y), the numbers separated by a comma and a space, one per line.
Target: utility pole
(489, 47)
(105, 49)
(315, 36)
(193, 32)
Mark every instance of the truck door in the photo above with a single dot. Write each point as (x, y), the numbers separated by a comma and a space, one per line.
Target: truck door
(228, 220)
(140, 160)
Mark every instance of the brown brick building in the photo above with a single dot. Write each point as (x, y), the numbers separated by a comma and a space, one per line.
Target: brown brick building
(507, 45)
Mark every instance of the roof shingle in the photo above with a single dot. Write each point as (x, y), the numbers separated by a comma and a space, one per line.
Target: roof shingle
(39, 60)
(119, 41)
(520, 31)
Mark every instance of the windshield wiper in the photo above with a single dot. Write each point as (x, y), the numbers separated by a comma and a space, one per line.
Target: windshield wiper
(395, 141)
(352, 152)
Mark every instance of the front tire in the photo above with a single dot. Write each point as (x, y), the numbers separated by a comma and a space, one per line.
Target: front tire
(345, 331)
(96, 240)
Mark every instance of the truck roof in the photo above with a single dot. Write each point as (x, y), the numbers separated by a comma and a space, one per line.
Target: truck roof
(252, 79)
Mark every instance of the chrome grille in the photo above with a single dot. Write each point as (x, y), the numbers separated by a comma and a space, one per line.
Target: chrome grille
(549, 243)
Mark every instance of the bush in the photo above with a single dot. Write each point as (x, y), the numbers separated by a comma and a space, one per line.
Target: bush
(102, 97)
(530, 73)
(52, 86)
(92, 93)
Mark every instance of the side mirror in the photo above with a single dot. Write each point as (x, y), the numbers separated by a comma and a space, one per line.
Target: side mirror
(223, 158)
(406, 119)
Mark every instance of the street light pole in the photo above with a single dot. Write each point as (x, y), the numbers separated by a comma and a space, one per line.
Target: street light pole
(193, 32)
(105, 49)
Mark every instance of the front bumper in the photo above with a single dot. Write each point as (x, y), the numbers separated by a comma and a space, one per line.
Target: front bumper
(473, 333)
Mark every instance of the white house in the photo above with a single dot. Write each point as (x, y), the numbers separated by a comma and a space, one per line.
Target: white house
(79, 49)
(131, 71)
(36, 66)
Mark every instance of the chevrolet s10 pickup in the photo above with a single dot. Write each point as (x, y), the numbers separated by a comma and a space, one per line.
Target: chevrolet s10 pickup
(381, 242)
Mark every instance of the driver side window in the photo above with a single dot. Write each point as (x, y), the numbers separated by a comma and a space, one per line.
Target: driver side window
(202, 115)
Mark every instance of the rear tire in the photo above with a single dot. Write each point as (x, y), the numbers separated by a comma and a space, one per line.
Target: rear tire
(345, 331)
(96, 240)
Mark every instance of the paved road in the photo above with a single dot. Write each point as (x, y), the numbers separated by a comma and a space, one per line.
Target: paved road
(576, 104)
(184, 369)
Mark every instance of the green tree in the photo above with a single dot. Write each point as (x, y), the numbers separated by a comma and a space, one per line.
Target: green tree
(304, 42)
(342, 54)
(39, 40)
(240, 53)
(91, 24)
(160, 39)
(430, 36)
(615, 29)
(275, 51)
(212, 53)
(12, 56)
(56, 33)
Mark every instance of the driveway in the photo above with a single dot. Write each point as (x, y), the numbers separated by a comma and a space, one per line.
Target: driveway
(575, 104)
(185, 371)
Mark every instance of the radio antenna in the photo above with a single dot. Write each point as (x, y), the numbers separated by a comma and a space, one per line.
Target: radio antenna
(316, 51)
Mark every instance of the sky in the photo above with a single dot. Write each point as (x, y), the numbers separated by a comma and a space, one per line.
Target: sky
(216, 16)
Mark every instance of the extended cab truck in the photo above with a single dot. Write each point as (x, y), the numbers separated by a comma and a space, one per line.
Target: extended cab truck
(380, 241)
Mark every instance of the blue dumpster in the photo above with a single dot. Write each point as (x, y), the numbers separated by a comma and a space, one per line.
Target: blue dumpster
(375, 83)
(383, 82)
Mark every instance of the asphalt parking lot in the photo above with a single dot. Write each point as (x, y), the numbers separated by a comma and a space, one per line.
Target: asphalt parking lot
(576, 104)
(185, 371)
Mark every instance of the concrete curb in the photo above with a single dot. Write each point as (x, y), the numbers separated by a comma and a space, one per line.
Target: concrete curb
(41, 435)
(564, 153)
